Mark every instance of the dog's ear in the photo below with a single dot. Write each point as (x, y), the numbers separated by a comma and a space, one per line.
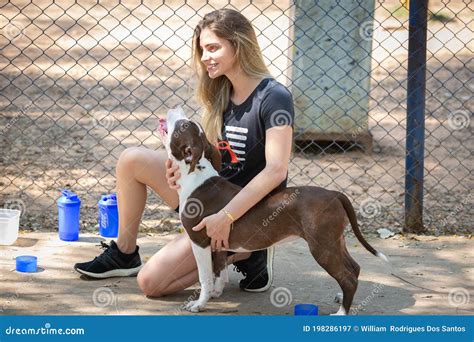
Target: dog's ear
(211, 152)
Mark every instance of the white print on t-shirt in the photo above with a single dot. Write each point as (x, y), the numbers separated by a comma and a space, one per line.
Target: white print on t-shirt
(237, 137)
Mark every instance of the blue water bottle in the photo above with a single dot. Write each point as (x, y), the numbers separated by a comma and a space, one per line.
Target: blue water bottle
(108, 216)
(69, 206)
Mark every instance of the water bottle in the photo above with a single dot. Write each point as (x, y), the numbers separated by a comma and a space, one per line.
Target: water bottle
(108, 216)
(69, 206)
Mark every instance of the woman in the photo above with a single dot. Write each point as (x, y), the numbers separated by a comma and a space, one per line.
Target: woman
(249, 115)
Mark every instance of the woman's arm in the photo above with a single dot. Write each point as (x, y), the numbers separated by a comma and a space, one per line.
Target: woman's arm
(277, 156)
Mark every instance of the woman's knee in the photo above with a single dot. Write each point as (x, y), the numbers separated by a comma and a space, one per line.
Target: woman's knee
(128, 158)
(148, 285)
(138, 159)
(142, 158)
(134, 155)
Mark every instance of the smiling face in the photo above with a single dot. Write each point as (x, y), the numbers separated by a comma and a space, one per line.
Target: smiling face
(217, 54)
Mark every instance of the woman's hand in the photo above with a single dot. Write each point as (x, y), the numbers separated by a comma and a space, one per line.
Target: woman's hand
(217, 228)
(172, 174)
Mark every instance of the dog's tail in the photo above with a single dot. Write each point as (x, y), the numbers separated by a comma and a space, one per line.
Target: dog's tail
(346, 203)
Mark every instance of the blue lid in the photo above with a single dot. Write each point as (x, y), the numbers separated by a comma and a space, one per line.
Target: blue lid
(69, 198)
(109, 200)
(26, 263)
(306, 310)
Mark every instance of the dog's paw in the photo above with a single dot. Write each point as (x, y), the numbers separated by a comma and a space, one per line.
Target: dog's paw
(340, 312)
(194, 306)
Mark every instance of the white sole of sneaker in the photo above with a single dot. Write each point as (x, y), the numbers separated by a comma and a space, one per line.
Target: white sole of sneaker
(129, 272)
(270, 254)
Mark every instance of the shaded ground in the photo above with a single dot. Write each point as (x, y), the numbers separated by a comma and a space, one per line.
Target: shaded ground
(439, 265)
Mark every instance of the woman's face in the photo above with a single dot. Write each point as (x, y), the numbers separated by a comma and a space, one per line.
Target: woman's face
(217, 54)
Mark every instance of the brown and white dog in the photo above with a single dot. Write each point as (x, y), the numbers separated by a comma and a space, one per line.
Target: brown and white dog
(315, 214)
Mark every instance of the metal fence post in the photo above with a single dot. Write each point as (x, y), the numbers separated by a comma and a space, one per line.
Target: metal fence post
(414, 163)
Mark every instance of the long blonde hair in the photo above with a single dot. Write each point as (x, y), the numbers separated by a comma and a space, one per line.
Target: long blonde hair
(214, 94)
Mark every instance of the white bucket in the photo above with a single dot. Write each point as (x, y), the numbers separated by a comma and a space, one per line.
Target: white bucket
(9, 225)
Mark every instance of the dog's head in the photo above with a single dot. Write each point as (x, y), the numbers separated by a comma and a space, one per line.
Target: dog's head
(187, 141)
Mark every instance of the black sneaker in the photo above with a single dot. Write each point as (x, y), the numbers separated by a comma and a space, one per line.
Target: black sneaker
(258, 271)
(111, 263)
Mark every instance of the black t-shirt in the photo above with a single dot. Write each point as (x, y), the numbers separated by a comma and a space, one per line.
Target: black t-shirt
(243, 133)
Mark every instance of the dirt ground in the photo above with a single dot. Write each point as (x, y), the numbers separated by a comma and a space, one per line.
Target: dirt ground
(440, 269)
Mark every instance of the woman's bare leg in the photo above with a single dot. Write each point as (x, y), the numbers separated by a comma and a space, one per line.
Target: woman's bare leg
(173, 268)
(138, 167)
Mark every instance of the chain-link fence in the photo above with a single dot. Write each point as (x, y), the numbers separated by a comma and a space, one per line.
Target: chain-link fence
(80, 81)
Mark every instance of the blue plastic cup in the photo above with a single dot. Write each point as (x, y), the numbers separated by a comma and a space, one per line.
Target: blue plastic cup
(26, 263)
(69, 207)
(108, 216)
(306, 310)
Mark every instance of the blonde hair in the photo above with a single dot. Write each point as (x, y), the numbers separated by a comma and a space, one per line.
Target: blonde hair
(214, 94)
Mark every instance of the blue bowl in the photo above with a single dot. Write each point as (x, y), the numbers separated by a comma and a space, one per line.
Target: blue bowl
(306, 310)
(26, 263)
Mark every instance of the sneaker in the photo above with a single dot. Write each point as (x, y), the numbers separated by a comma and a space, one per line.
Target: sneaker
(258, 271)
(111, 263)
